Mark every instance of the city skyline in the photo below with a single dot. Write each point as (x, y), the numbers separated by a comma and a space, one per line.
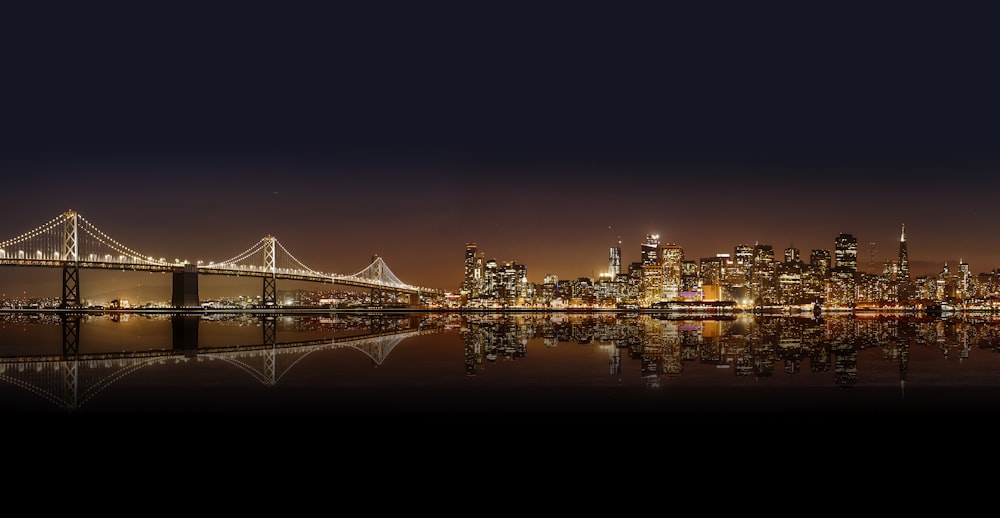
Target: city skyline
(544, 132)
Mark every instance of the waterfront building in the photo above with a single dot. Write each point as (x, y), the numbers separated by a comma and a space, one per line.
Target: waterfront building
(790, 283)
(690, 286)
(814, 282)
(652, 284)
(550, 288)
(513, 283)
(874, 290)
(607, 291)
(583, 292)
(671, 259)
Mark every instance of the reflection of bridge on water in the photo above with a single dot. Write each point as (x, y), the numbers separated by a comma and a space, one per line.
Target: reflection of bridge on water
(71, 379)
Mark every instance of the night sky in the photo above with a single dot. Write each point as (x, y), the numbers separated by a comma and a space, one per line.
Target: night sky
(545, 132)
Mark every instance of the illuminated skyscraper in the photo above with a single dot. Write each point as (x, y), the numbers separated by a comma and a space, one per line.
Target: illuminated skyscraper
(843, 285)
(904, 288)
(671, 258)
(615, 260)
(904, 257)
(651, 250)
(474, 269)
(742, 264)
(819, 260)
(846, 252)
(763, 281)
(964, 280)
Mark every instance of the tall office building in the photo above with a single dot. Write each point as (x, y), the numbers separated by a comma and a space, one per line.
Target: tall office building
(671, 259)
(904, 287)
(843, 285)
(846, 252)
(763, 281)
(468, 284)
(791, 255)
(472, 284)
(816, 274)
(964, 288)
(743, 257)
(615, 260)
(651, 250)
(819, 260)
(904, 257)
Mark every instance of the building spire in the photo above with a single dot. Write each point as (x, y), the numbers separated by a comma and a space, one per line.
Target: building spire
(902, 236)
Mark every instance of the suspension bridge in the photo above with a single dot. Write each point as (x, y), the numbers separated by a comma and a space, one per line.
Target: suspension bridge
(71, 242)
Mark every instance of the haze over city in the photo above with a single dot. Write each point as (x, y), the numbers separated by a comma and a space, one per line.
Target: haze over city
(544, 132)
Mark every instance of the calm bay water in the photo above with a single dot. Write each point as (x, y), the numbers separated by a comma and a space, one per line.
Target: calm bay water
(496, 365)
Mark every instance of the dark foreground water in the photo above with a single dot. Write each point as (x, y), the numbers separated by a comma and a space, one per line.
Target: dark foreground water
(594, 367)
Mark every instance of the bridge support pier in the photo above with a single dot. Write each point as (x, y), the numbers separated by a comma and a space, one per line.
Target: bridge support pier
(71, 285)
(270, 295)
(377, 297)
(185, 292)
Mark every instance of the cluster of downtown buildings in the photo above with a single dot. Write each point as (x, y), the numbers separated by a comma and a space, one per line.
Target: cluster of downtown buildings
(750, 277)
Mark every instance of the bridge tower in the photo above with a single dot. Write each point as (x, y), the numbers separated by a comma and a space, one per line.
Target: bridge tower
(377, 297)
(71, 266)
(270, 295)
